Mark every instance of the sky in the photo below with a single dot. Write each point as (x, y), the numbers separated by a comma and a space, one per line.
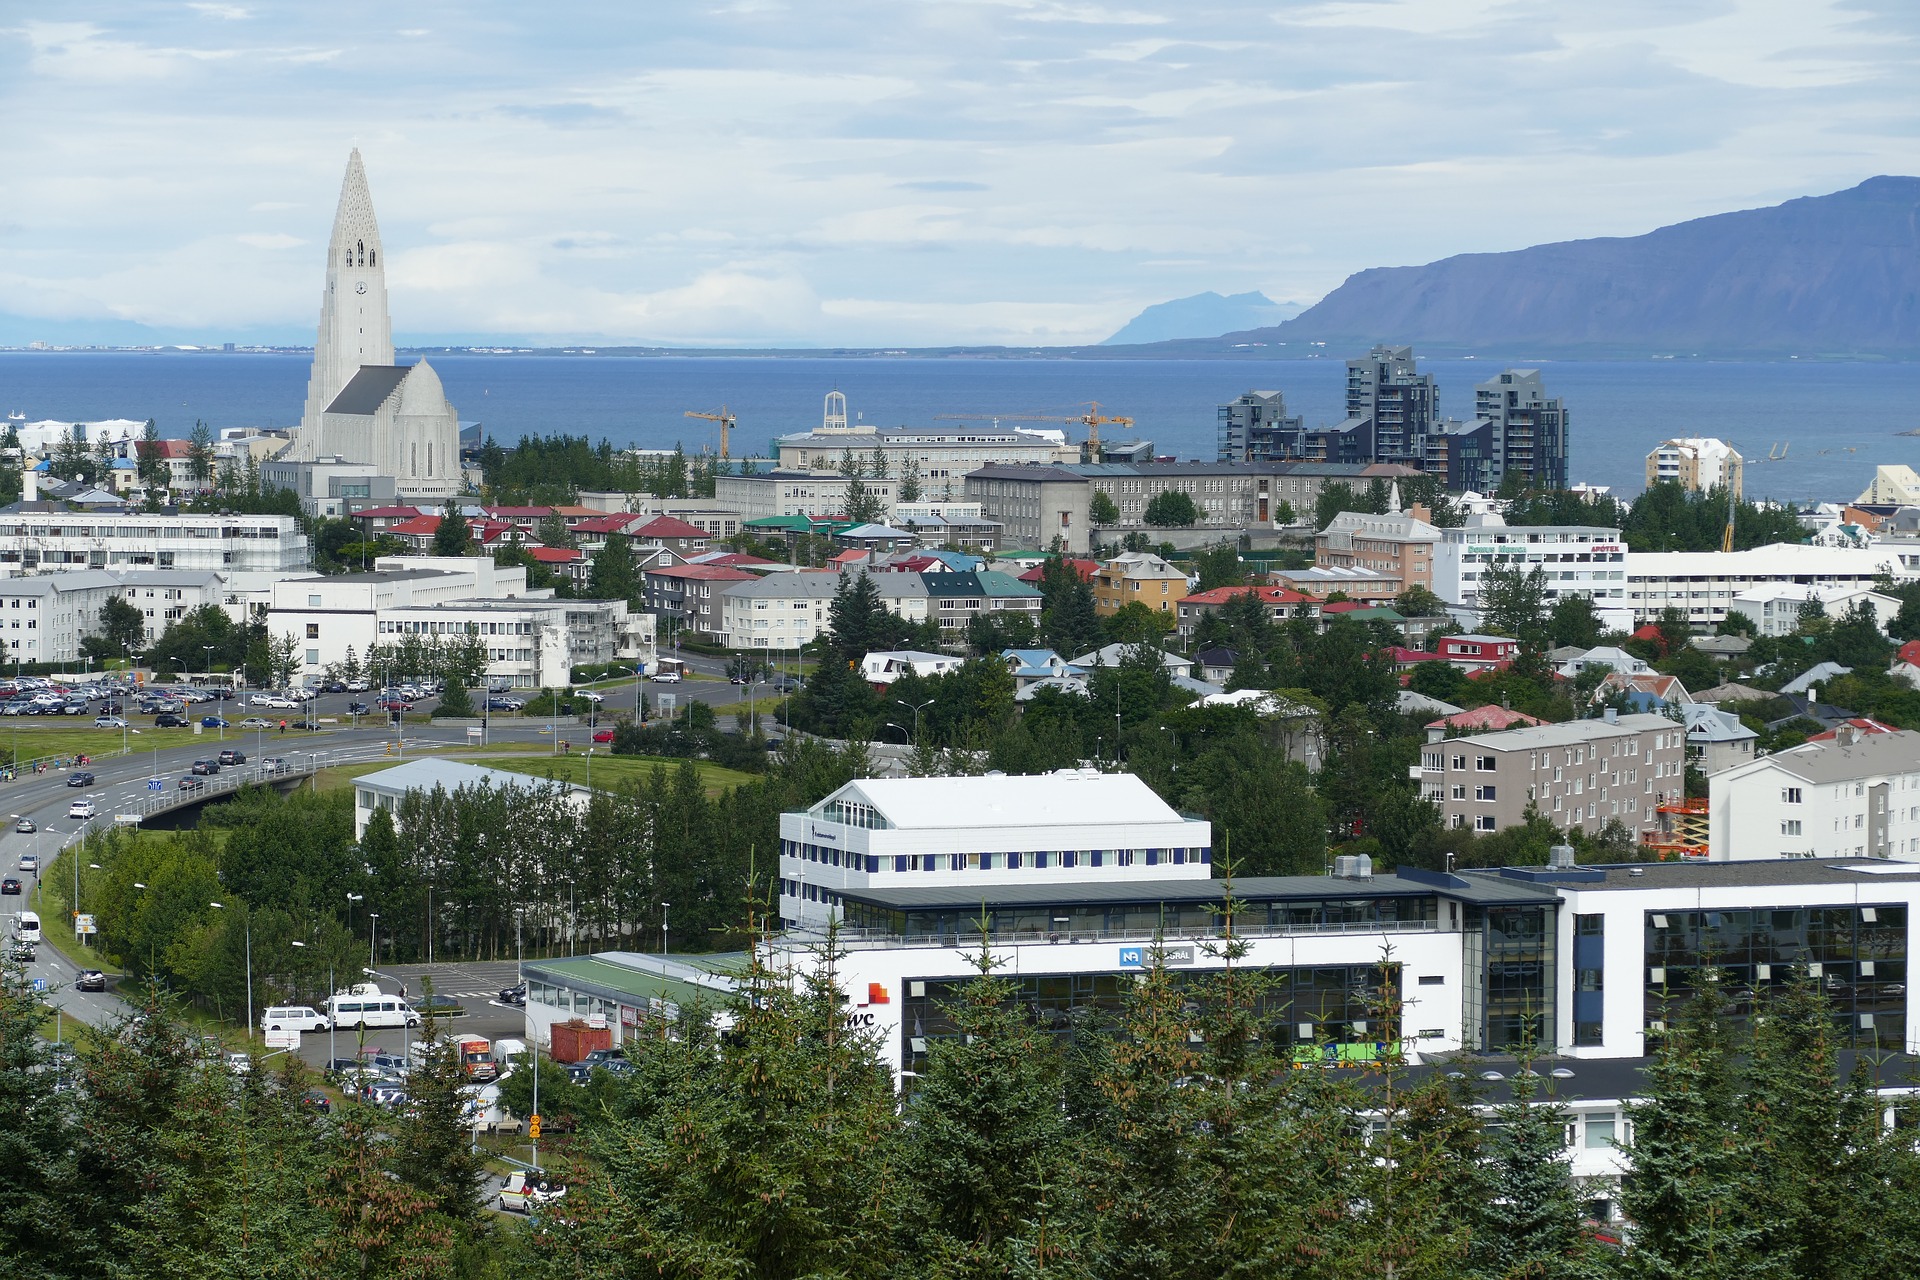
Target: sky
(884, 172)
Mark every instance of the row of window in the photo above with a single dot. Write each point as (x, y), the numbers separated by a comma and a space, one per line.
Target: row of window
(1013, 860)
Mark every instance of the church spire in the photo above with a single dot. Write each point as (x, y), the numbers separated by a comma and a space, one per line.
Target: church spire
(354, 327)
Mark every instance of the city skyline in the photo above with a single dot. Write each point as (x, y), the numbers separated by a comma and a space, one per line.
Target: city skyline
(1025, 172)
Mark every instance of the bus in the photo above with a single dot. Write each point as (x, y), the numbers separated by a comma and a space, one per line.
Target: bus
(363, 1009)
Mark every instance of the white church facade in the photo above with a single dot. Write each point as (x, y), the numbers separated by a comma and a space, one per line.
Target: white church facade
(361, 406)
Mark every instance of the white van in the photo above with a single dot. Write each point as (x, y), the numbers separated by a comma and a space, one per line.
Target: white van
(293, 1017)
(26, 927)
(355, 1010)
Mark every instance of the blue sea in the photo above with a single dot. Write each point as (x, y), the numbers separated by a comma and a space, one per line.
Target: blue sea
(1834, 421)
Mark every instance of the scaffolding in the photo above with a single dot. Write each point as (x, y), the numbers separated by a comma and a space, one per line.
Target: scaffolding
(1682, 833)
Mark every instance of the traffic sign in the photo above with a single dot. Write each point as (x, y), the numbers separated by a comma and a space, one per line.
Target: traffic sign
(39, 984)
(83, 923)
(156, 784)
(533, 1126)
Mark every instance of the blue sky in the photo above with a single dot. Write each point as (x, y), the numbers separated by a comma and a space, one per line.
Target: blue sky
(906, 172)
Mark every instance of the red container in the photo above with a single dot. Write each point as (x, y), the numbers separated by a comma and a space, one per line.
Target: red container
(574, 1040)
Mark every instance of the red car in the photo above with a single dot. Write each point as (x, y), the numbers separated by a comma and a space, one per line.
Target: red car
(396, 704)
(604, 735)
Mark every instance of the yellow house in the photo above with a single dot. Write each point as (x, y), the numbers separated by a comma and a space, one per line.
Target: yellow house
(1141, 576)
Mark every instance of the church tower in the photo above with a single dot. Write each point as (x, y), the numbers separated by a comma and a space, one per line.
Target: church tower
(354, 329)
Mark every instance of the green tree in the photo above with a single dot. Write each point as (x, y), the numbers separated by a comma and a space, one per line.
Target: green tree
(452, 536)
(433, 1154)
(863, 505)
(1513, 601)
(1172, 509)
(200, 453)
(908, 489)
(151, 464)
(122, 628)
(1418, 602)
(552, 531)
(1100, 509)
(1533, 1224)
(613, 574)
(1574, 621)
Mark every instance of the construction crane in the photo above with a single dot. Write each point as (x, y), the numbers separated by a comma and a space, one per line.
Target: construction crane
(1733, 505)
(725, 419)
(1091, 420)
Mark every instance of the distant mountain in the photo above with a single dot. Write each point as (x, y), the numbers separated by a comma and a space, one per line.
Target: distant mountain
(1824, 275)
(1204, 315)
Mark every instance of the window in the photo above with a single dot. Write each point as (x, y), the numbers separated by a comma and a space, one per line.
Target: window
(1484, 822)
(1600, 1132)
(1483, 764)
(313, 631)
(1483, 793)
(1790, 795)
(1790, 827)
(1589, 926)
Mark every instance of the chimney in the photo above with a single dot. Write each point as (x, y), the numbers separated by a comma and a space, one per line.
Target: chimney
(1612, 715)
(29, 484)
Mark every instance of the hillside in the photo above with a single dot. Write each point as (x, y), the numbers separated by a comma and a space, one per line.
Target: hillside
(1202, 316)
(1825, 275)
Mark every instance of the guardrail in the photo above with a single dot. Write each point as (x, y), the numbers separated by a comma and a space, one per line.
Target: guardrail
(299, 766)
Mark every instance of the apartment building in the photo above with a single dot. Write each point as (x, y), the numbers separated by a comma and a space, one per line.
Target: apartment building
(789, 492)
(43, 541)
(1696, 463)
(1279, 603)
(687, 597)
(164, 596)
(941, 456)
(330, 615)
(1856, 794)
(531, 643)
(1257, 428)
(776, 611)
(1138, 576)
(1232, 496)
(1034, 505)
(1583, 773)
(1400, 544)
(1399, 404)
(1528, 429)
(1775, 608)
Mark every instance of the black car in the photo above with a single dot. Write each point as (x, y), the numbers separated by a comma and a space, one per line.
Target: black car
(359, 709)
(334, 686)
(80, 779)
(168, 720)
(90, 980)
(443, 1006)
(10, 886)
(206, 767)
(230, 756)
(317, 1100)
(512, 995)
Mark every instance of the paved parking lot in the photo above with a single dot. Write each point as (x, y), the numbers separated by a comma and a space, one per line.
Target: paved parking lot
(475, 984)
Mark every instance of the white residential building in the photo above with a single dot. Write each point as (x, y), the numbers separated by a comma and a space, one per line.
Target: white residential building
(531, 643)
(329, 614)
(1703, 584)
(44, 618)
(1775, 607)
(1577, 560)
(1855, 795)
(1697, 463)
(796, 493)
(778, 611)
(884, 666)
(165, 596)
(44, 541)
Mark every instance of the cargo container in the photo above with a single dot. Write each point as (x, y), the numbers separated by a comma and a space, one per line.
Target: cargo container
(574, 1040)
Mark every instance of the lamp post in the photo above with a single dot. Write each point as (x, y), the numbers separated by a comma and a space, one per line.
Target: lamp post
(332, 1043)
(143, 889)
(901, 702)
(249, 926)
(373, 938)
(351, 899)
(206, 670)
(663, 927)
(76, 889)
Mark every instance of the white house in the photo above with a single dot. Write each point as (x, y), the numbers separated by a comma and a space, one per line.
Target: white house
(777, 611)
(885, 666)
(1704, 584)
(1775, 607)
(387, 788)
(1856, 795)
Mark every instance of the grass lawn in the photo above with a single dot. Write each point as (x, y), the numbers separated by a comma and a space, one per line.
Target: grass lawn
(39, 736)
(608, 771)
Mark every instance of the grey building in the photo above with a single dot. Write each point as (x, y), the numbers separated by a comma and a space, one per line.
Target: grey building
(1582, 774)
(1527, 429)
(1716, 739)
(1257, 428)
(1034, 505)
(1392, 401)
(330, 486)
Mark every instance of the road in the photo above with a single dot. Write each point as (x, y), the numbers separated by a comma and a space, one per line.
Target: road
(166, 755)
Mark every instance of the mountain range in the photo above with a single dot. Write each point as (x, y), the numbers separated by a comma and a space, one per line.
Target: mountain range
(1202, 316)
(1832, 275)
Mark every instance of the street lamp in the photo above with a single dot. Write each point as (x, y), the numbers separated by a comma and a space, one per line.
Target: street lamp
(76, 888)
(249, 924)
(332, 1044)
(663, 927)
(351, 899)
(373, 938)
(901, 702)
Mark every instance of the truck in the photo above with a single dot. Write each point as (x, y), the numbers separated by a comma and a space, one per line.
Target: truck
(669, 671)
(476, 1058)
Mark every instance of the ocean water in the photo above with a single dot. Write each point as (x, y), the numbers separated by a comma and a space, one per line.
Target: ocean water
(1834, 422)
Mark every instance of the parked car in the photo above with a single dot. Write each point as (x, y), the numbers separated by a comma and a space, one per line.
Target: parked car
(79, 778)
(395, 704)
(256, 722)
(356, 686)
(213, 722)
(521, 1190)
(90, 980)
(334, 686)
(10, 886)
(109, 722)
(603, 735)
(514, 995)
(444, 1006)
(503, 704)
(168, 720)
(84, 810)
(230, 756)
(240, 1063)
(318, 1101)
(191, 783)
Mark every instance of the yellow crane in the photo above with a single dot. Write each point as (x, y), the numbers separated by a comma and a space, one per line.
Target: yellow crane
(1091, 420)
(725, 419)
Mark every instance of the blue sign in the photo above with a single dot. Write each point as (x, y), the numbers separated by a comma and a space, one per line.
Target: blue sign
(156, 784)
(39, 984)
(1133, 958)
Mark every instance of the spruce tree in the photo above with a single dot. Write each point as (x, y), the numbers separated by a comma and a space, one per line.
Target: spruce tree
(433, 1153)
(1532, 1223)
(46, 1224)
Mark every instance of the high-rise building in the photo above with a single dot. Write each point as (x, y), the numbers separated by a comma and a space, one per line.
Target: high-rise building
(1529, 430)
(1256, 428)
(1696, 463)
(1401, 402)
(361, 406)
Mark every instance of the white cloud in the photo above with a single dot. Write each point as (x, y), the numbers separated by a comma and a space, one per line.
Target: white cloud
(953, 170)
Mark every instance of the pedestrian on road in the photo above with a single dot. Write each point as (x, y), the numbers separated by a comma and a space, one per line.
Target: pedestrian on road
(283, 726)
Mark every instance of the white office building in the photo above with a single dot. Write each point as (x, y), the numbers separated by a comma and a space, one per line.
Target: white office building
(1577, 560)
(1775, 607)
(330, 614)
(531, 643)
(796, 493)
(1704, 584)
(388, 788)
(44, 541)
(1855, 795)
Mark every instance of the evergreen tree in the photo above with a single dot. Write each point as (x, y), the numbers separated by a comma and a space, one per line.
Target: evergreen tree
(46, 1225)
(613, 575)
(452, 536)
(200, 453)
(1532, 1223)
(432, 1154)
(1100, 509)
(908, 489)
(1172, 509)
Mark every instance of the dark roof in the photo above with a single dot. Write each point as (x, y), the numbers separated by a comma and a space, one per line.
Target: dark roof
(951, 583)
(1696, 875)
(1616, 1079)
(1246, 889)
(369, 388)
(1032, 471)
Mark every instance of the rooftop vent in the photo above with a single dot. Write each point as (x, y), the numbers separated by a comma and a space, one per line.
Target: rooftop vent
(1560, 855)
